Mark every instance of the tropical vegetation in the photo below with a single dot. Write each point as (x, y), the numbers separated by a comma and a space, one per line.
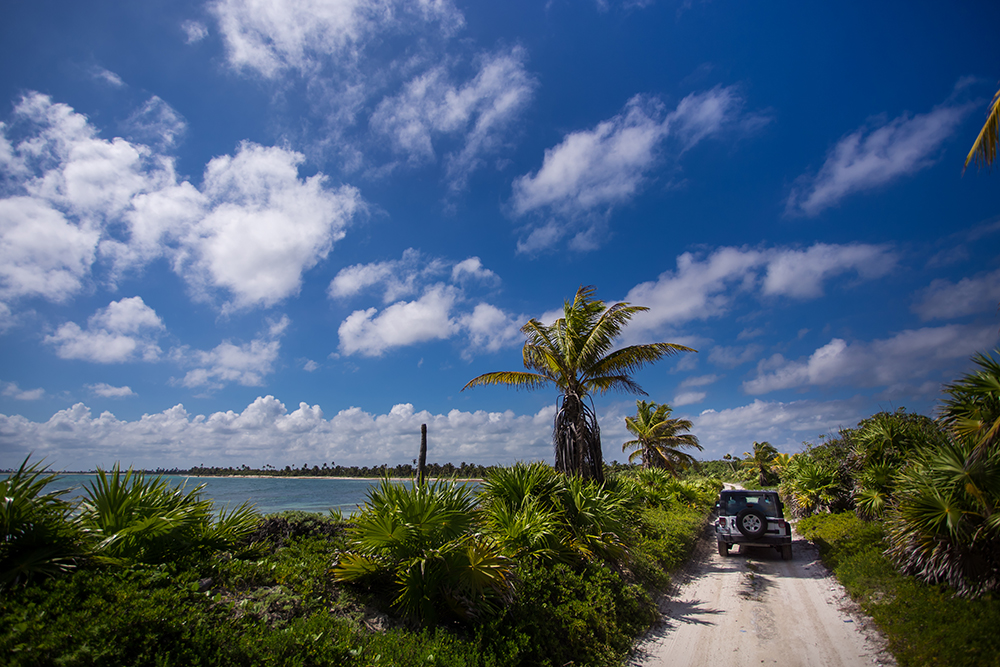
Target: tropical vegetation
(536, 567)
(577, 355)
(37, 536)
(659, 438)
(760, 460)
(933, 484)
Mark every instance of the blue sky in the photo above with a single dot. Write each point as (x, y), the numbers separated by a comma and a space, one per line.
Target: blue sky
(290, 232)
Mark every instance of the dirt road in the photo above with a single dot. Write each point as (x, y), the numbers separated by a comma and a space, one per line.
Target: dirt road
(752, 608)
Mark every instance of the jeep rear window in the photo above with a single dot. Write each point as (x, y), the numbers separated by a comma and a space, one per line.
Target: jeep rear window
(733, 504)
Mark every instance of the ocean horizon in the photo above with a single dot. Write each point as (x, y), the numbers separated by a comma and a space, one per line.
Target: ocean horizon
(268, 494)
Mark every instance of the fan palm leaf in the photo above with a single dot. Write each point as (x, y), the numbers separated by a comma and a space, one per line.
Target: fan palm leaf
(419, 537)
(971, 408)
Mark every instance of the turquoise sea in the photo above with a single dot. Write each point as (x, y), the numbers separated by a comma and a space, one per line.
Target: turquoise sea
(269, 494)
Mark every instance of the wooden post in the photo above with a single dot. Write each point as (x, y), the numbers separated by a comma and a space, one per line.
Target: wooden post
(422, 465)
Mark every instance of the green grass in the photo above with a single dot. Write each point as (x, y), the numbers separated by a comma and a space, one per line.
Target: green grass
(925, 624)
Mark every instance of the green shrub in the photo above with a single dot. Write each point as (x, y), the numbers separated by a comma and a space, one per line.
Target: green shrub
(584, 616)
(668, 534)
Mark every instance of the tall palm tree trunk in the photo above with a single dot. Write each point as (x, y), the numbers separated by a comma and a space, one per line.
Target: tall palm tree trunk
(577, 439)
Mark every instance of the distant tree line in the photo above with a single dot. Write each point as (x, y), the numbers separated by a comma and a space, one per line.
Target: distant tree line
(404, 470)
(463, 470)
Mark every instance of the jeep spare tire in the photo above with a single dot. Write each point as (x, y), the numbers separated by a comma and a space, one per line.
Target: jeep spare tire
(751, 522)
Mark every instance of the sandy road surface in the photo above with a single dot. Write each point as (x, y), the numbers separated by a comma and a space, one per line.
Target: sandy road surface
(752, 608)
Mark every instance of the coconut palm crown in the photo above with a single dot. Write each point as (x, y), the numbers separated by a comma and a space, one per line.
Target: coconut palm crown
(577, 354)
(659, 438)
(760, 460)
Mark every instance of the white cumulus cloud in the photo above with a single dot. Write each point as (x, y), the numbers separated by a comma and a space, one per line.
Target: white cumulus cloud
(79, 203)
(266, 432)
(263, 226)
(394, 278)
(42, 253)
(688, 398)
(12, 390)
(156, 123)
(127, 329)
(491, 329)
(370, 332)
(479, 111)
(471, 268)
(195, 31)
(784, 425)
(243, 363)
(705, 286)
(302, 35)
(441, 311)
(801, 273)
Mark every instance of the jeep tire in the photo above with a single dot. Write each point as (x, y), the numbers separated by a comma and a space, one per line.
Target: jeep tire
(786, 552)
(723, 548)
(751, 522)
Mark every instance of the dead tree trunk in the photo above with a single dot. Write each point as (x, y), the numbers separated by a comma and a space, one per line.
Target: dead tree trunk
(422, 461)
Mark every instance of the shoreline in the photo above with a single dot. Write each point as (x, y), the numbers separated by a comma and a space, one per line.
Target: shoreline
(328, 477)
(391, 479)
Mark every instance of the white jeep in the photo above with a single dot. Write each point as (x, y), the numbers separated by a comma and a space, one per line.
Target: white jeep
(754, 519)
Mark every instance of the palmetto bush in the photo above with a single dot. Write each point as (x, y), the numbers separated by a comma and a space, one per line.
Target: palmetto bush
(945, 527)
(133, 518)
(419, 539)
(881, 446)
(520, 507)
(537, 513)
(596, 518)
(37, 535)
(514, 485)
(808, 486)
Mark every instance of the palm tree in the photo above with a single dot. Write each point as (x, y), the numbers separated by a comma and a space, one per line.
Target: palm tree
(984, 149)
(659, 438)
(576, 354)
(760, 460)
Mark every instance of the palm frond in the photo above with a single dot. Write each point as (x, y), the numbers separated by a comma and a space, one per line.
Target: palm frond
(621, 383)
(635, 357)
(517, 379)
(984, 148)
(971, 408)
